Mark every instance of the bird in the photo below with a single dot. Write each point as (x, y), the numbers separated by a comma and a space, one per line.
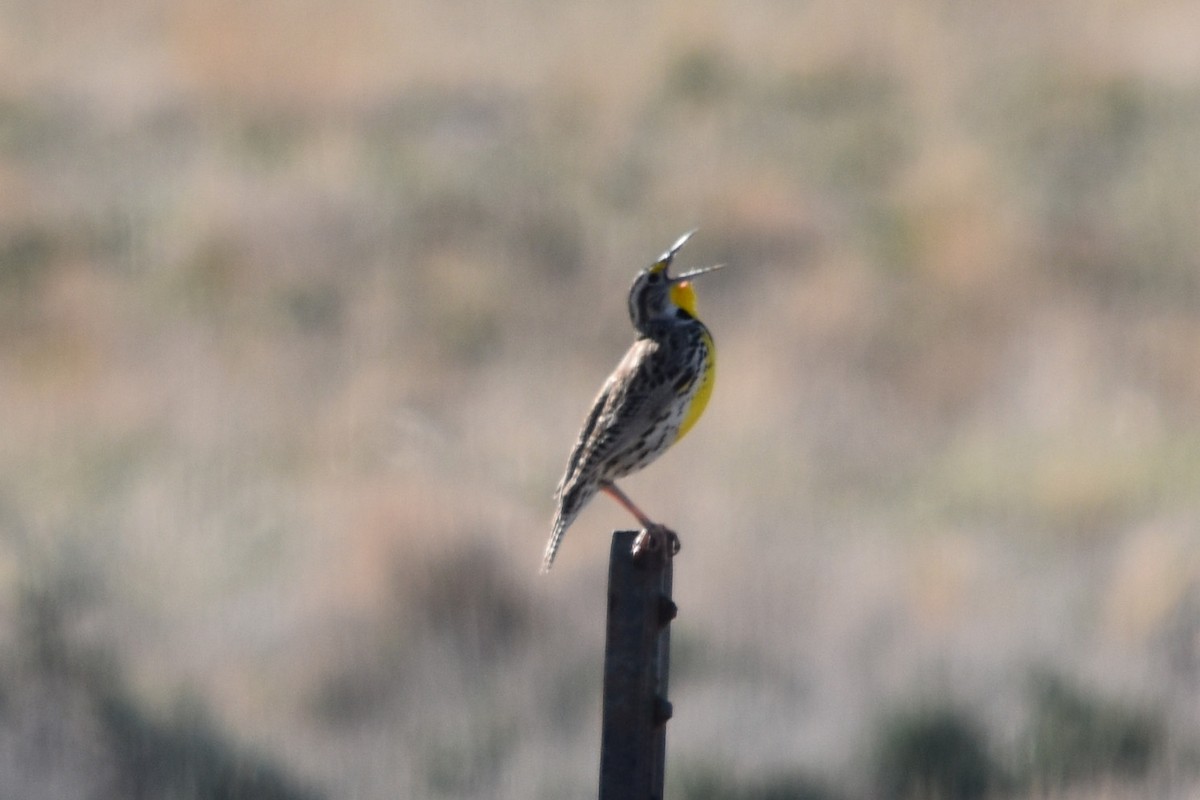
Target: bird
(650, 401)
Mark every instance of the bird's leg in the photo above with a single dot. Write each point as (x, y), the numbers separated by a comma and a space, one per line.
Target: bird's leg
(654, 537)
(616, 494)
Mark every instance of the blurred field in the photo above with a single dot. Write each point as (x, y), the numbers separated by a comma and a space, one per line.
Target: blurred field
(301, 304)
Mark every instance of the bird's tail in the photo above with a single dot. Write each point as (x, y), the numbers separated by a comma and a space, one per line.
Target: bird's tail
(571, 501)
(560, 527)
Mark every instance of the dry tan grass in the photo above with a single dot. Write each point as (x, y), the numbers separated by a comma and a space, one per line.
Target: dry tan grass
(301, 305)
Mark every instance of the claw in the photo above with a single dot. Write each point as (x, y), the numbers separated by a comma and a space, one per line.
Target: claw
(656, 540)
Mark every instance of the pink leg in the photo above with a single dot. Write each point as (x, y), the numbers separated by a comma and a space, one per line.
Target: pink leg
(654, 537)
(616, 494)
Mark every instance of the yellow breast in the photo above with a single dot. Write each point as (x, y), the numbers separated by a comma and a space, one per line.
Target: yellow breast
(703, 391)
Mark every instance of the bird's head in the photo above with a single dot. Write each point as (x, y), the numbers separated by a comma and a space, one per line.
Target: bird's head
(656, 295)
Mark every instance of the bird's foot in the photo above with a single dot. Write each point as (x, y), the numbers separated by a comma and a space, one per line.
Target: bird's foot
(655, 541)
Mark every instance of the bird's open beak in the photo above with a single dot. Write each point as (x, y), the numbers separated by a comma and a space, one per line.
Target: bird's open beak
(694, 272)
(668, 256)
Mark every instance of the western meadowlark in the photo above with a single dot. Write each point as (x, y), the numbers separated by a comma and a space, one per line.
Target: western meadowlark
(648, 403)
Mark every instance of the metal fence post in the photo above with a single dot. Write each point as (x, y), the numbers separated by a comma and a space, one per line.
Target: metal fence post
(637, 649)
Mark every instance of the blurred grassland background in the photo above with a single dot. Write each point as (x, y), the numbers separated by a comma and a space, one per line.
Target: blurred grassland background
(301, 304)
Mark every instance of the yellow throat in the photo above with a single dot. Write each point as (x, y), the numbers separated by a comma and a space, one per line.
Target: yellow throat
(684, 296)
